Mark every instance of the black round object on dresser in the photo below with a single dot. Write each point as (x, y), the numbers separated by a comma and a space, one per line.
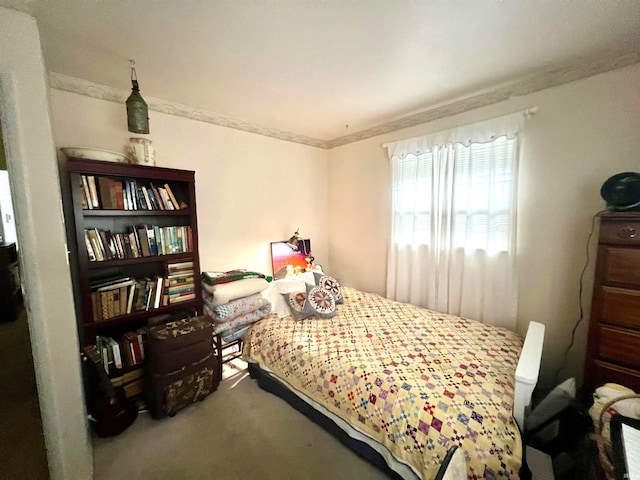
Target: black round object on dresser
(622, 191)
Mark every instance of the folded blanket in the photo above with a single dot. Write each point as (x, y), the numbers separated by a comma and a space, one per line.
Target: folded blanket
(230, 337)
(230, 325)
(214, 278)
(225, 292)
(235, 308)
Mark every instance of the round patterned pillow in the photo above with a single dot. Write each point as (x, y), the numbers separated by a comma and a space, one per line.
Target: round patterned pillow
(296, 302)
(331, 285)
(319, 302)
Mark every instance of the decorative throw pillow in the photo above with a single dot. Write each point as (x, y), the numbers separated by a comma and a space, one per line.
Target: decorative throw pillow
(331, 285)
(296, 302)
(319, 302)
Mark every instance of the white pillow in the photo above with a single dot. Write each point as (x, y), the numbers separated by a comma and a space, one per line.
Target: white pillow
(286, 285)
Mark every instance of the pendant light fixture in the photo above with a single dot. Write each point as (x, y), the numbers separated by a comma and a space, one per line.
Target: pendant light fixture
(137, 109)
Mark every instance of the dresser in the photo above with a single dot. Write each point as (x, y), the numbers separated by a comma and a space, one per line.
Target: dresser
(613, 348)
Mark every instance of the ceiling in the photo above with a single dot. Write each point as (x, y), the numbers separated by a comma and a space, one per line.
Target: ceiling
(330, 69)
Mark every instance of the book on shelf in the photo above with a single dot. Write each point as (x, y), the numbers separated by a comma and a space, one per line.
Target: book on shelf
(175, 267)
(166, 200)
(157, 302)
(181, 297)
(115, 348)
(157, 235)
(151, 238)
(104, 193)
(131, 296)
(90, 252)
(85, 193)
(156, 196)
(181, 279)
(130, 203)
(124, 282)
(189, 287)
(172, 197)
(93, 191)
(145, 194)
(144, 241)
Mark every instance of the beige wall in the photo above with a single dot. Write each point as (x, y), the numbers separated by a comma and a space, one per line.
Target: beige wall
(3, 159)
(583, 133)
(251, 189)
(44, 269)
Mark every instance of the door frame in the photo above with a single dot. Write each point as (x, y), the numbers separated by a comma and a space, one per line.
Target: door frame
(46, 278)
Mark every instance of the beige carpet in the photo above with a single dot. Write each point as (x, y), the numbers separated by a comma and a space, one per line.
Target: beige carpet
(239, 432)
(22, 451)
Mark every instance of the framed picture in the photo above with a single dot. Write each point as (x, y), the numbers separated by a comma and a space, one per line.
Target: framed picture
(286, 257)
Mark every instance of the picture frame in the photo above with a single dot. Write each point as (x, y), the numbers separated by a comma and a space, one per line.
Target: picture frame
(289, 259)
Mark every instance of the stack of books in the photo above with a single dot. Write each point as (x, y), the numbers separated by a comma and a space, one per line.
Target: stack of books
(180, 285)
(132, 382)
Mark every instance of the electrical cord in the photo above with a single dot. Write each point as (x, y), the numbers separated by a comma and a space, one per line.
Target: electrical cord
(584, 269)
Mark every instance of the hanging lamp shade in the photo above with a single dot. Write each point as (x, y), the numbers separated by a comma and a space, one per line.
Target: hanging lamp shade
(137, 109)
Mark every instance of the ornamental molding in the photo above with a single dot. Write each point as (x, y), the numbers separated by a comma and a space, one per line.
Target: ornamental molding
(103, 92)
(521, 87)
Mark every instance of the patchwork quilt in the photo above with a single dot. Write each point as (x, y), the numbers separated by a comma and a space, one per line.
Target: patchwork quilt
(414, 380)
(231, 317)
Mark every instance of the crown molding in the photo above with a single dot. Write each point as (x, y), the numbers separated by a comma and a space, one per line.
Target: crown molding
(523, 86)
(103, 92)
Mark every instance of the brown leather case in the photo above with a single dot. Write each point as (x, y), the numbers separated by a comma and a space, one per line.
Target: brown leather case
(181, 367)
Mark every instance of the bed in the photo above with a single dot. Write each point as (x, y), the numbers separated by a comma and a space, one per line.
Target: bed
(403, 385)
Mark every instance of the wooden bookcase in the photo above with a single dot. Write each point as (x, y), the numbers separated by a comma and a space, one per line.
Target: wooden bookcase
(86, 271)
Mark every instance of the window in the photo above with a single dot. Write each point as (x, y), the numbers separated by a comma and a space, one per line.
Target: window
(454, 220)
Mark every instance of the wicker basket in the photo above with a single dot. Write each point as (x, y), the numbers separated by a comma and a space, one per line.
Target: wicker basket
(604, 444)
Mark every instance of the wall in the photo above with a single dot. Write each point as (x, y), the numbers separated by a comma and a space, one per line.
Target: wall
(3, 158)
(251, 189)
(46, 282)
(583, 133)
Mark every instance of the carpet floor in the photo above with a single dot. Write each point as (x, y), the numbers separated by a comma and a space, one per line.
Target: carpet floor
(22, 451)
(239, 432)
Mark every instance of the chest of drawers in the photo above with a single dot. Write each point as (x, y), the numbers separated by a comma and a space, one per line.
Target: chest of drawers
(613, 347)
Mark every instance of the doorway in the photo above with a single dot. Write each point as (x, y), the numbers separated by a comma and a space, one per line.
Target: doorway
(22, 449)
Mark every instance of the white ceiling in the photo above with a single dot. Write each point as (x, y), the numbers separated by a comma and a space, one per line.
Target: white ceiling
(313, 67)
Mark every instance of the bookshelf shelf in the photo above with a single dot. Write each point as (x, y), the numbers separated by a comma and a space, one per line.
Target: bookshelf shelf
(137, 316)
(137, 213)
(120, 283)
(131, 261)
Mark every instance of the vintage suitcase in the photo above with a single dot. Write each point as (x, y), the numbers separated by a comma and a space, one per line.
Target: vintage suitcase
(181, 367)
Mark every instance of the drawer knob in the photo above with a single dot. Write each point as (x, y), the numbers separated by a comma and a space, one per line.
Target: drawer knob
(627, 232)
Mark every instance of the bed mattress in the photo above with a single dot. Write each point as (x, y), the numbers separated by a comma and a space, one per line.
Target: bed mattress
(413, 381)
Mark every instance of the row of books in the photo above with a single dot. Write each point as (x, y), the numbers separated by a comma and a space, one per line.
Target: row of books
(118, 296)
(122, 353)
(142, 241)
(110, 194)
(119, 357)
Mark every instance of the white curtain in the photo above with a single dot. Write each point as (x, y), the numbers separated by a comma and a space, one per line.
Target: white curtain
(454, 220)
